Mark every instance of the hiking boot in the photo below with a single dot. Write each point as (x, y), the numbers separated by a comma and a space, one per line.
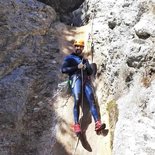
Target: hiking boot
(77, 128)
(98, 125)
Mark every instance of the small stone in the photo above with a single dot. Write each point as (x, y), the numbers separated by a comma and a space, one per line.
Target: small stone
(54, 62)
(36, 109)
(40, 103)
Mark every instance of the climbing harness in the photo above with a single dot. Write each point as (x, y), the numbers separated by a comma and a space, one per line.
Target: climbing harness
(63, 88)
(82, 108)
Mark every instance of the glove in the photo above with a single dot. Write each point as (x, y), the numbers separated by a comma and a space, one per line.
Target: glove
(81, 66)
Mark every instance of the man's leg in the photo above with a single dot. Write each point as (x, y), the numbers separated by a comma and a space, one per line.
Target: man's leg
(91, 100)
(76, 90)
(88, 90)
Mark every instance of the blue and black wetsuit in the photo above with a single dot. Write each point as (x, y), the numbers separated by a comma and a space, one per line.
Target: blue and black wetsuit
(70, 67)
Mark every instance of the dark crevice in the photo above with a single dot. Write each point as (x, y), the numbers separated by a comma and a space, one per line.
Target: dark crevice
(135, 62)
(112, 24)
(142, 35)
(128, 79)
(62, 6)
(70, 12)
(76, 18)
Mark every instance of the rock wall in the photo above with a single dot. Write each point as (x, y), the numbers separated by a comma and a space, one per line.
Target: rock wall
(28, 73)
(34, 119)
(62, 6)
(124, 38)
(29, 76)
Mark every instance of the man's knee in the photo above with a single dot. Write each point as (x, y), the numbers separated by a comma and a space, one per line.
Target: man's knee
(91, 96)
(77, 98)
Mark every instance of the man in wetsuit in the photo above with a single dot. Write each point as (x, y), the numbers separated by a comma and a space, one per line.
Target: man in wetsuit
(75, 65)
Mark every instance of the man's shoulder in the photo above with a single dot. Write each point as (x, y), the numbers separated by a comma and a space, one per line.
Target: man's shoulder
(67, 57)
(70, 56)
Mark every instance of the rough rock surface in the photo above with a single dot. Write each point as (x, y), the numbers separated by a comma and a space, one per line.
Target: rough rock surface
(28, 74)
(63, 6)
(123, 34)
(34, 120)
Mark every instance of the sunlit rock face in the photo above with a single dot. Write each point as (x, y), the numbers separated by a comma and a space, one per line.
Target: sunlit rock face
(123, 34)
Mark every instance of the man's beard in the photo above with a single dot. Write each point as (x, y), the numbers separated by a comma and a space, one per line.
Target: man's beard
(78, 51)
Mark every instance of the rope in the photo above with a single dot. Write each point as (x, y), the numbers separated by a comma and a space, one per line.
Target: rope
(92, 37)
(76, 145)
(81, 108)
(92, 50)
(92, 26)
(82, 90)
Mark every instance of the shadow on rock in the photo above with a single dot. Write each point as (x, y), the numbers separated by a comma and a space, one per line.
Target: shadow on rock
(84, 142)
(104, 132)
(85, 121)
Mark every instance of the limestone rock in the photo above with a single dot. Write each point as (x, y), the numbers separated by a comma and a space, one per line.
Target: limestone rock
(146, 26)
(123, 34)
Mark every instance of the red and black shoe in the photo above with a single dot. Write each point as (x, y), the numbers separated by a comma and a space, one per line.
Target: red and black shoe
(99, 126)
(77, 128)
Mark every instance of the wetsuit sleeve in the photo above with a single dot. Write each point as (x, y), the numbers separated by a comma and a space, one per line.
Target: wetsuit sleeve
(66, 68)
(88, 68)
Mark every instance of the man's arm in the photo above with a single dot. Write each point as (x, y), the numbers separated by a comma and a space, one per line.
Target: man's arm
(88, 68)
(67, 69)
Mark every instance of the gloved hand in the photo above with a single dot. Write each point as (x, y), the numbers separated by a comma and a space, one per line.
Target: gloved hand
(81, 66)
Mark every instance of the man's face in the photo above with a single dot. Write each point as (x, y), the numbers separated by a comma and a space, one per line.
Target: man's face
(78, 49)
